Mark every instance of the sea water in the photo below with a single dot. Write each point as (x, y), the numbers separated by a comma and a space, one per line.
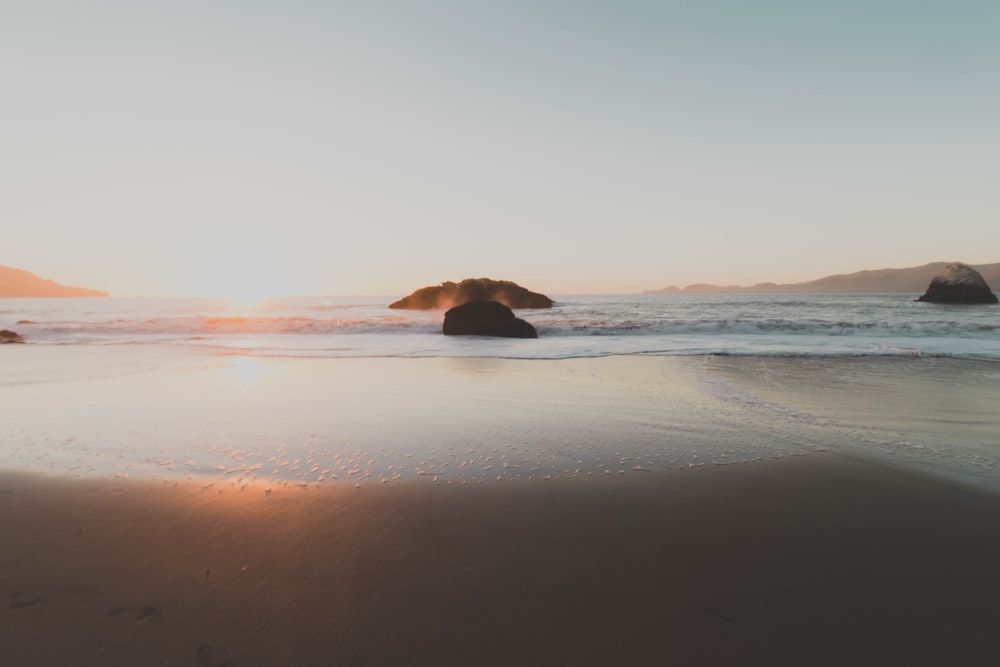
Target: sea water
(344, 390)
(577, 326)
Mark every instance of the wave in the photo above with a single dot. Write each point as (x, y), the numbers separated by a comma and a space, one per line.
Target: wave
(586, 326)
(778, 326)
(394, 324)
(234, 325)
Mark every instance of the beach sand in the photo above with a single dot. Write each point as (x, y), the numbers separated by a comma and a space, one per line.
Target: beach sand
(174, 507)
(819, 559)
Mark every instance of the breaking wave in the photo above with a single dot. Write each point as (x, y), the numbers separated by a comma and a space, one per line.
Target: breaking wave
(576, 326)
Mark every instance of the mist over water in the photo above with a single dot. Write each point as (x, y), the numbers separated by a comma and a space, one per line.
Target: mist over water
(578, 326)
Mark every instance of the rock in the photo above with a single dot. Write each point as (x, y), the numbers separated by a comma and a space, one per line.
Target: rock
(958, 283)
(486, 318)
(7, 336)
(449, 294)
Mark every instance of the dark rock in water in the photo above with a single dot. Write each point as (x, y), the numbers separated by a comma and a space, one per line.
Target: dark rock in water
(958, 283)
(486, 318)
(449, 294)
(7, 336)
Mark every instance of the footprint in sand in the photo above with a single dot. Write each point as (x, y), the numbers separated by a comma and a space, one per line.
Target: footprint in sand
(82, 593)
(17, 600)
(205, 658)
(147, 614)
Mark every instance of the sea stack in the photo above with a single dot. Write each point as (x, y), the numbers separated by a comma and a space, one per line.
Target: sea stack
(486, 318)
(449, 294)
(958, 283)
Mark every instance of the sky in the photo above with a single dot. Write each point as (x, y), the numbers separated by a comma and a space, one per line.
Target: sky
(276, 147)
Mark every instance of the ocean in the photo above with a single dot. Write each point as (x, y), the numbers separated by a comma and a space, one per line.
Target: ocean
(344, 390)
(578, 326)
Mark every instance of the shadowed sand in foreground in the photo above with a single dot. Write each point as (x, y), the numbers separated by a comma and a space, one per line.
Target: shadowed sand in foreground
(818, 559)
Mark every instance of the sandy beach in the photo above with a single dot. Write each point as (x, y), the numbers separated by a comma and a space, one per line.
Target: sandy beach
(499, 333)
(818, 559)
(171, 507)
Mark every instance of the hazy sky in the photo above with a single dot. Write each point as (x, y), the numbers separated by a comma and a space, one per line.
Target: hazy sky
(293, 147)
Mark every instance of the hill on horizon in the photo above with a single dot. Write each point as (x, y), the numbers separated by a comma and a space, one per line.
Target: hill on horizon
(912, 279)
(18, 283)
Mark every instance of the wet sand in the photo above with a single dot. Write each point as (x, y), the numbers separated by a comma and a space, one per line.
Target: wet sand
(818, 559)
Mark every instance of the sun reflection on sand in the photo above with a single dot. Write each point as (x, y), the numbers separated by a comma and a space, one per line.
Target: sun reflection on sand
(232, 421)
(248, 372)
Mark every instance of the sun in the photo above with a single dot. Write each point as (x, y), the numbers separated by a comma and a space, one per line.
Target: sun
(244, 273)
(245, 301)
(241, 293)
(242, 286)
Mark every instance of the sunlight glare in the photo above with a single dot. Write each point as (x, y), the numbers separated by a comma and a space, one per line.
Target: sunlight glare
(244, 281)
(248, 372)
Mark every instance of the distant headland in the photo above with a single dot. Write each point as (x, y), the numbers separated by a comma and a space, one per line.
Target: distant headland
(913, 279)
(18, 283)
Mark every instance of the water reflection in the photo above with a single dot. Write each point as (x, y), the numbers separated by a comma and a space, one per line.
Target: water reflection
(248, 372)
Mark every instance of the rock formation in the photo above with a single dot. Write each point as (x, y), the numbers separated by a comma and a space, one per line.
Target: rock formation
(7, 336)
(449, 294)
(958, 283)
(486, 318)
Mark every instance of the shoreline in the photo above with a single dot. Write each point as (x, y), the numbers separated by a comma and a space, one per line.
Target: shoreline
(625, 510)
(155, 412)
(764, 563)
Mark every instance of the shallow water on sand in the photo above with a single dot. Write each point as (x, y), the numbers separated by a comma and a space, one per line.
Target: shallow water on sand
(938, 414)
(158, 412)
